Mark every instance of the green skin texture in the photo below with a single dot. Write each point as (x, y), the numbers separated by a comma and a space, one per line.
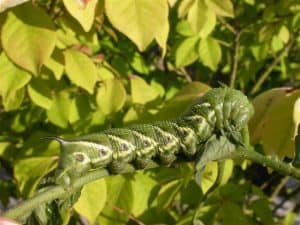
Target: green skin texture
(221, 112)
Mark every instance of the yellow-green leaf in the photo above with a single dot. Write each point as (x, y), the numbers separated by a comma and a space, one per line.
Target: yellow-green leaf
(120, 196)
(182, 100)
(273, 124)
(141, 91)
(162, 35)
(81, 70)
(201, 18)
(187, 53)
(28, 40)
(58, 113)
(56, 64)
(28, 172)
(142, 185)
(12, 80)
(221, 7)
(79, 108)
(209, 176)
(92, 200)
(111, 96)
(40, 93)
(82, 11)
(210, 53)
(139, 20)
(284, 34)
(184, 7)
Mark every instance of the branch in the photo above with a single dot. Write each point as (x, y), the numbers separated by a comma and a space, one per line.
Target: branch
(58, 191)
(235, 58)
(250, 154)
(268, 71)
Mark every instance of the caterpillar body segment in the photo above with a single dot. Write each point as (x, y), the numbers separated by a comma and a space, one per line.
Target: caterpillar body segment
(221, 112)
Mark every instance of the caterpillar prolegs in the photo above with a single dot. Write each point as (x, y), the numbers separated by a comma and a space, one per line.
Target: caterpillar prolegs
(221, 112)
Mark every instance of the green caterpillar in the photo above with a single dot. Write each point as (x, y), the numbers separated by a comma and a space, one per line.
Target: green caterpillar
(221, 112)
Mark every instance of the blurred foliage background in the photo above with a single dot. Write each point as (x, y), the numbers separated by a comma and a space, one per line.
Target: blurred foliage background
(74, 67)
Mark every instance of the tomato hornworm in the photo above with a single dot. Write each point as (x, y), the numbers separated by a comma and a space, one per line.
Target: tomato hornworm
(212, 125)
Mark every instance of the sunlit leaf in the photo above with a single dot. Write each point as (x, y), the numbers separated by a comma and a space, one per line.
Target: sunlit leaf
(58, 113)
(141, 91)
(210, 53)
(120, 197)
(79, 108)
(81, 70)
(92, 200)
(143, 19)
(201, 18)
(209, 176)
(40, 93)
(221, 7)
(82, 11)
(182, 100)
(184, 7)
(111, 96)
(29, 172)
(56, 63)
(186, 53)
(28, 40)
(142, 185)
(273, 125)
(12, 80)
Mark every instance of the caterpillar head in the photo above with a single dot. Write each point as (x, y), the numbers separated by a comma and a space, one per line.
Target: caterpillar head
(82, 155)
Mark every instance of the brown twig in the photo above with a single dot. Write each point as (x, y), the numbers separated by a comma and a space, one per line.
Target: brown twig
(270, 68)
(122, 211)
(235, 58)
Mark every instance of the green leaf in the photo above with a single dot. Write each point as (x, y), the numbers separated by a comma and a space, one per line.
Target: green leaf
(40, 93)
(138, 64)
(182, 100)
(221, 7)
(15, 100)
(168, 192)
(141, 91)
(120, 196)
(277, 44)
(225, 171)
(81, 70)
(210, 53)
(260, 52)
(231, 213)
(267, 32)
(28, 40)
(82, 11)
(284, 34)
(12, 80)
(184, 7)
(162, 35)
(58, 113)
(142, 185)
(79, 108)
(209, 176)
(263, 211)
(92, 200)
(111, 96)
(56, 63)
(184, 28)
(201, 18)
(186, 53)
(216, 148)
(105, 73)
(28, 173)
(273, 124)
(143, 19)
